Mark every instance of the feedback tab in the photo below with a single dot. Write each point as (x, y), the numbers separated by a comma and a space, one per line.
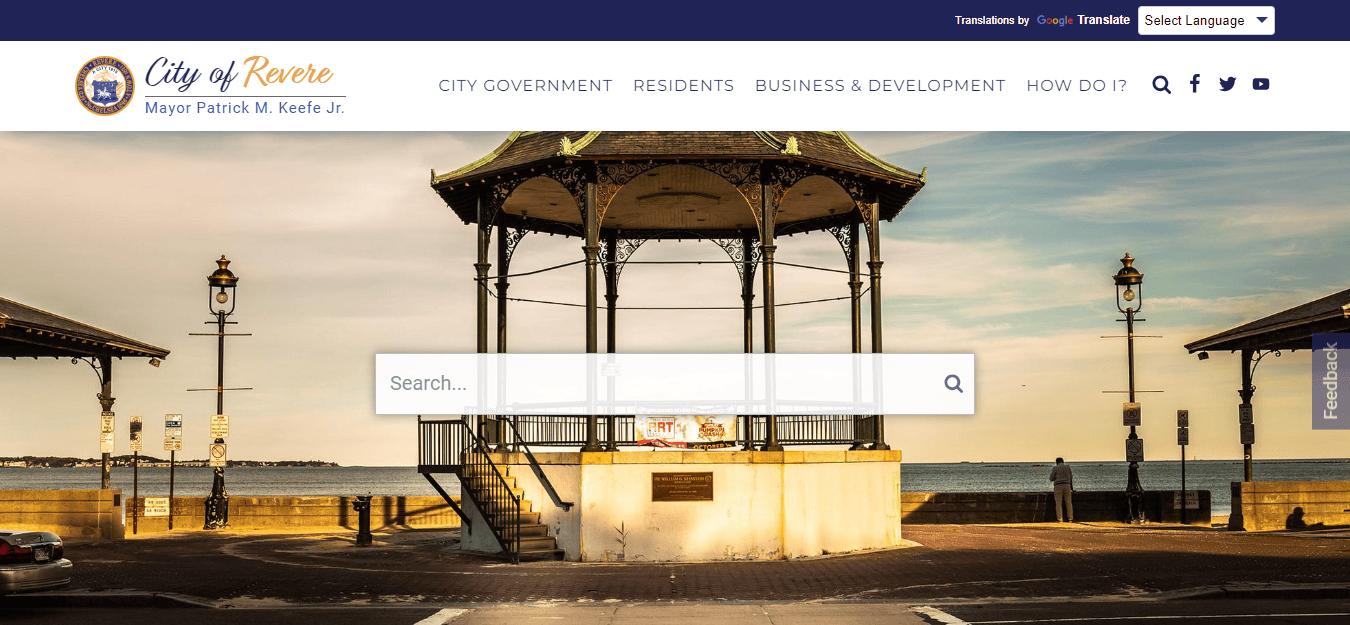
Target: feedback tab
(1242, 20)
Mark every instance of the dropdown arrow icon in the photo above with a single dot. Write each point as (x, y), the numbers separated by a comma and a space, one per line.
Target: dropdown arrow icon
(1263, 19)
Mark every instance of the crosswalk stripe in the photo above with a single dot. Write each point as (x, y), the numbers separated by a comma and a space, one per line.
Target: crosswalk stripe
(939, 616)
(440, 618)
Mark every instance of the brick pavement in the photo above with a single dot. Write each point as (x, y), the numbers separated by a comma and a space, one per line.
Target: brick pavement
(954, 562)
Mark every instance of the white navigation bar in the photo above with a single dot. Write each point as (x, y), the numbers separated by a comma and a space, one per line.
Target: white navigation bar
(499, 86)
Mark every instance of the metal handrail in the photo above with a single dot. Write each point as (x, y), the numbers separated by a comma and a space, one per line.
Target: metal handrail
(505, 524)
(534, 466)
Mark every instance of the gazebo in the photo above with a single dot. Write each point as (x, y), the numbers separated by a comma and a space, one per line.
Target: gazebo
(1289, 330)
(617, 190)
(28, 332)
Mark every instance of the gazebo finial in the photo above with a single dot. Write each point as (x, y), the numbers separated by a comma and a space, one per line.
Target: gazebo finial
(567, 149)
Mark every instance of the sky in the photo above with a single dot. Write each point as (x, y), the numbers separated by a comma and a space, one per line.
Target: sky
(343, 251)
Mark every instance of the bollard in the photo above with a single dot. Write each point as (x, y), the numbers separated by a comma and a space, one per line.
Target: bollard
(362, 507)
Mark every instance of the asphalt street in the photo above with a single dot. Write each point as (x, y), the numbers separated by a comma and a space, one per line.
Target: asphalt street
(1240, 612)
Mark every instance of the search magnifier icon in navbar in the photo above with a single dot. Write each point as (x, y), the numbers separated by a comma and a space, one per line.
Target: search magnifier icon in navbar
(953, 383)
(1160, 84)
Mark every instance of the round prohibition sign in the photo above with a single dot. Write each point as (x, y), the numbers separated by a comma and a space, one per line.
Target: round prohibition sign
(217, 451)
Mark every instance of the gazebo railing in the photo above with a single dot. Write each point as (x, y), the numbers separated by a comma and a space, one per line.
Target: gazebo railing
(570, 430)
(814, 429)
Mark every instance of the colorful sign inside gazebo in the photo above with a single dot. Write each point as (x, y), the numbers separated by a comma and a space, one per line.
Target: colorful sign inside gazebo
(687, 431)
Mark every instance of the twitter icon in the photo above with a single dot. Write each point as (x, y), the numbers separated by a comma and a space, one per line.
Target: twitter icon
(1227, 83)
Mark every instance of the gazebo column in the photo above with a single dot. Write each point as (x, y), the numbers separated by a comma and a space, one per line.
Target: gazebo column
(748, 304)
(855, 319)
(611, 269)
(1246, 394)
(592, 250)
(748, 292)
(872, 214)
(105, 399)
(767, 225)
(503, 261)
(481, 270)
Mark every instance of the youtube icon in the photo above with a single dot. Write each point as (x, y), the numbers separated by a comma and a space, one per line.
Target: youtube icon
(1260, 84)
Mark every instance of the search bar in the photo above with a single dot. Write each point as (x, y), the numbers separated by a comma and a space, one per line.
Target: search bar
(1187, 20)
(674, 384)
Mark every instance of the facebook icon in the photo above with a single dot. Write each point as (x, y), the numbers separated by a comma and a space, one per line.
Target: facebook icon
(1195, 83)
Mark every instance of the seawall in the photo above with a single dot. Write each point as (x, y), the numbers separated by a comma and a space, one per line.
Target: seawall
(296, 513)
(1038, 507)
(1264, 506)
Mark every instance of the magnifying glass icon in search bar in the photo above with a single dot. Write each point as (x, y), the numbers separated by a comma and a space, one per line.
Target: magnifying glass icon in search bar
(953, 383)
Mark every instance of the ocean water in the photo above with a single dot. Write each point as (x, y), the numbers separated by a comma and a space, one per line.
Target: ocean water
(1212, 475)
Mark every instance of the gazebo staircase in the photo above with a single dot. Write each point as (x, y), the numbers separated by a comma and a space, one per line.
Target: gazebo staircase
(453, 446)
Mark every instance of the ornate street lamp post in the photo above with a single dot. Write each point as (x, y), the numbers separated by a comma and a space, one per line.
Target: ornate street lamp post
(1129, 302)
(220, 287)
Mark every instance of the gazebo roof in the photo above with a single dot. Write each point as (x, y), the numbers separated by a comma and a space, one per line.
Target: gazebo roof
(28, 332)
(1291, 329)
(682, 192)
(832, 148)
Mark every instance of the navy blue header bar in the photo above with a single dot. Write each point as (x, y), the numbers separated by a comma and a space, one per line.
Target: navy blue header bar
(608, 20)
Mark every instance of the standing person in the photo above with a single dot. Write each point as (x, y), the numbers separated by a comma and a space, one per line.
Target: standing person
(1062, 477)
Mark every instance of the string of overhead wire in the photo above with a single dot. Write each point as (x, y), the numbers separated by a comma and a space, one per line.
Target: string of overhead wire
(661, 262)
(755, 307)
(493, 291)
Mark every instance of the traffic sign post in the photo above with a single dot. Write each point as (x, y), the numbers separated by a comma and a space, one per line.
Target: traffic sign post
(173, 441)
(135, 468)
(1183, 438)
(135, 434)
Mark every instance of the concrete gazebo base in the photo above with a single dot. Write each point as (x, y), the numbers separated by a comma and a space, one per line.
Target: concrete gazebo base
(707, 505)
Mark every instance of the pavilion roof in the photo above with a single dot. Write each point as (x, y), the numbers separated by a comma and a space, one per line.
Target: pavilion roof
(649, 208)
(1290, 329)
(830, 148)
(27, 332)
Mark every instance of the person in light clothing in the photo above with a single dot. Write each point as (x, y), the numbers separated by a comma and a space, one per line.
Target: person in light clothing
(1062, 477)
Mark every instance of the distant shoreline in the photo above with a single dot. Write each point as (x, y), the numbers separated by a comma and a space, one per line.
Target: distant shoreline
(126, 461)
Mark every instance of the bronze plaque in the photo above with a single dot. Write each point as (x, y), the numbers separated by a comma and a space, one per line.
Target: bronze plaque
(682, 486)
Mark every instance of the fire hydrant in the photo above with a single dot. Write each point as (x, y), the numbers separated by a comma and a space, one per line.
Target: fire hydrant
(362, 507)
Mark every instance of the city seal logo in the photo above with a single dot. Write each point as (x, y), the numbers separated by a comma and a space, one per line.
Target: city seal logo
(104, 86)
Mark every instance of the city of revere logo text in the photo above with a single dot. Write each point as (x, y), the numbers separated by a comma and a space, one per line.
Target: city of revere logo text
(257, 70)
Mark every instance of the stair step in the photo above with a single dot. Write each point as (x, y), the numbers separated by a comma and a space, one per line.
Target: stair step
(532, 529)
(496, 507)
(489, 479)
(485, 493)
(536, 543)
(543, 554)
